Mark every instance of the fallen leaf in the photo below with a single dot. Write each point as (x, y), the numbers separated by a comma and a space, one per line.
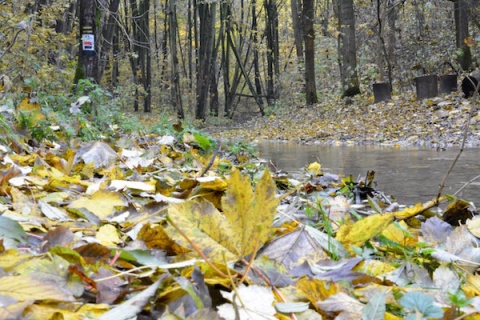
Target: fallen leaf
(363, 230)
(99, 153)
(107, 235)
(25, 288)
(252, 303)
(348, 307)
(102, 203)
(245, 225)
(134, 305)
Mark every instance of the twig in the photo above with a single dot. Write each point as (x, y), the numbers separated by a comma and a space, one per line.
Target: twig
(11, 44)
(466, 184)
(465, 132)
(212, 159)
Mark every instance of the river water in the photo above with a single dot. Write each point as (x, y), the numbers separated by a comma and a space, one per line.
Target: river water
(410, 174)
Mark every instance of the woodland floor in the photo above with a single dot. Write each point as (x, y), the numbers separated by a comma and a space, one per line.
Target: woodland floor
(438, 123)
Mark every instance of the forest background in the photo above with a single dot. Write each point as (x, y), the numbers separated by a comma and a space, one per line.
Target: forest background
(146, 225)
(216, 59)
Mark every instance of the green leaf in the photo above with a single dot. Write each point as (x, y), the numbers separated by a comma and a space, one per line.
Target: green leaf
(12, 230)
(203, 142)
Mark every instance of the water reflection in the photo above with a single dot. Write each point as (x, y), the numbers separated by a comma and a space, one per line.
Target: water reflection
(411, 175)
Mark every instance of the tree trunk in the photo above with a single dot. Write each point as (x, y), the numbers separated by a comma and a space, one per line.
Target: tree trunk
(115, 52)
(309, 36)
(206, 13)
(87, 57)
(273, 64)
(108, 30)
(256, 64)
(146, 59)
(391, 39)
(347, 48)
(172, 31)
(461, 34)
(226, 21)
(297, 29)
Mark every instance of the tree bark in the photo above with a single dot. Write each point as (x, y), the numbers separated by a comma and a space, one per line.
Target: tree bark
(108, 30)
(461, 34)
(206, 13)
(87, 56)
(347, 48)
(273, 63)
(297, 29)
(172, 31)
(309, 36)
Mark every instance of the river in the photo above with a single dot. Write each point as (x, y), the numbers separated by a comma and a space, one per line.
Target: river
(410, 174)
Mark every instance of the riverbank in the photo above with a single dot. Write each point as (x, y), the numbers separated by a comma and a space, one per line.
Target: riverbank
(437, 123)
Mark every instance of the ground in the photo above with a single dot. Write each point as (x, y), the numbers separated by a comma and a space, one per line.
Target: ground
(437, 123)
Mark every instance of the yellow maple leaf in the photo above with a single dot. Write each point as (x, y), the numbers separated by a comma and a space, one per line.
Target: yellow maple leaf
(245, 225)
(102, 203)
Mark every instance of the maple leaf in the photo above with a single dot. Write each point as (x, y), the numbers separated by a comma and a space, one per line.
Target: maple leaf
(245, 224)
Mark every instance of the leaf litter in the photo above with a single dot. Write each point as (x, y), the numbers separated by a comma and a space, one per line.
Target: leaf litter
(159, 228)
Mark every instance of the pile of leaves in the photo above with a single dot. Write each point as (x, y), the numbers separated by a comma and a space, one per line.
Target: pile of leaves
(436, 122)
(157, 227)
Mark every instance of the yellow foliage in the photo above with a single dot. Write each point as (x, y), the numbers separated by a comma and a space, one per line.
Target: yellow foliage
(363, 230)
(102, 203)
(243, 228)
